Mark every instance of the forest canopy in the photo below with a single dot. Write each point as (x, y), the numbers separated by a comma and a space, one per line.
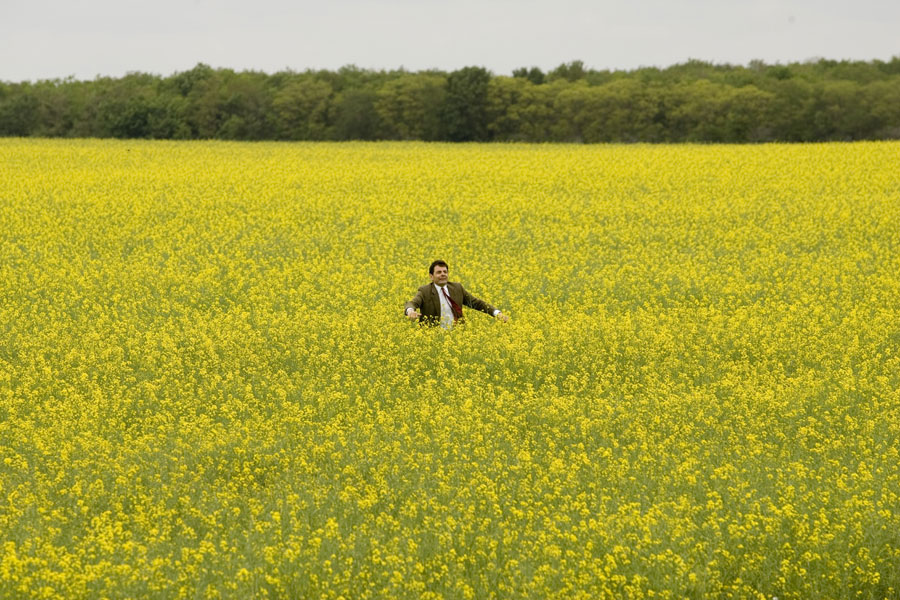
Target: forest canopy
(695, 101)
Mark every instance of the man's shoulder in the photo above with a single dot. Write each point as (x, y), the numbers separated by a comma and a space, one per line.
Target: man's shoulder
(424, 288)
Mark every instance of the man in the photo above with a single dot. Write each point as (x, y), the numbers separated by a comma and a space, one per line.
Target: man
(441, 301)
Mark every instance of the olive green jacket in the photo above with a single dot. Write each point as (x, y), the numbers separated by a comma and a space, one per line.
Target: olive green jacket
(426, 301)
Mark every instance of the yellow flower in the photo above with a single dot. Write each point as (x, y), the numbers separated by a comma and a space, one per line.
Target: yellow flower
(207, 387)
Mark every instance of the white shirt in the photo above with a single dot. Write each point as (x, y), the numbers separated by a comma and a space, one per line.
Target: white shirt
(446, 309)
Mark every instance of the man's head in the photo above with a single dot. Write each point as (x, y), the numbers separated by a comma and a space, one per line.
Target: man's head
(439, 272)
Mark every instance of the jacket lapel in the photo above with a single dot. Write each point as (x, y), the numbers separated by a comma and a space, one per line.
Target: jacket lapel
(455, 292)
(436, 302)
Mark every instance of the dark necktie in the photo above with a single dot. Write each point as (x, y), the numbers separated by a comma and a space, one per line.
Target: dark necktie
(457, 309)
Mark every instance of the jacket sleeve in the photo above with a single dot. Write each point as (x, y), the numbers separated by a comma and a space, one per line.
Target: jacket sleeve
(415, 303)
(473, 302)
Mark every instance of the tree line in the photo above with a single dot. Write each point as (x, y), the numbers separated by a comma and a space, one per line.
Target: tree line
(695, 101)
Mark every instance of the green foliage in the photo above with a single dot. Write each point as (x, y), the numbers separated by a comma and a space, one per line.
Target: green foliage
(572, 71)
(519, 110)
(301, 108)
(694, 101)
(355, 115)
(18, 109)
(409, 106)
(706, 111)
(464, 111)
(534, 75)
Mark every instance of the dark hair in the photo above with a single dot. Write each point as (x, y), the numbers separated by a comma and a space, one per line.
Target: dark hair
(437, 263)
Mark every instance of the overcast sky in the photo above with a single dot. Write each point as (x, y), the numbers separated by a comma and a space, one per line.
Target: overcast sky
(47, 39)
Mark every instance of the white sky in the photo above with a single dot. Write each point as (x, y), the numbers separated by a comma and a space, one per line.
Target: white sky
(47, 39)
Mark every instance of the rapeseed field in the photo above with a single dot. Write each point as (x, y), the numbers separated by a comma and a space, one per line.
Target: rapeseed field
(208, 388)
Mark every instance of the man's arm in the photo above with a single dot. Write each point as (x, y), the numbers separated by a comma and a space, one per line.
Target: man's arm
(413, 306)
(473, 302)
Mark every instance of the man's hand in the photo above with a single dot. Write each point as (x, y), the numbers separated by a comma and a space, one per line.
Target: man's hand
(412, 315)
(502, 317)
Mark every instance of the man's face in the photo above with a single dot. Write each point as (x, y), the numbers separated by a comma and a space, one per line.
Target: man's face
(440, 275)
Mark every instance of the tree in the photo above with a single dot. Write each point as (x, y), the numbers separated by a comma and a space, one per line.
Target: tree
(409, 106)
(464, 112)
(748, 115)
(693, 101)
(519, 110)
(18, 109)
(883, 100)
(246, 107)
(792, 108)
(355, 117)
(185, 82)
(302, 108)
(623, 110)
(712, 112)
(534, 75)
(572, 71)
(570, 104)
(839, 112)
(125, 106)
(203, 113)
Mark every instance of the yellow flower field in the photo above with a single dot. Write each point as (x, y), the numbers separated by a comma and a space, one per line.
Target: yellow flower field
(208, 389)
